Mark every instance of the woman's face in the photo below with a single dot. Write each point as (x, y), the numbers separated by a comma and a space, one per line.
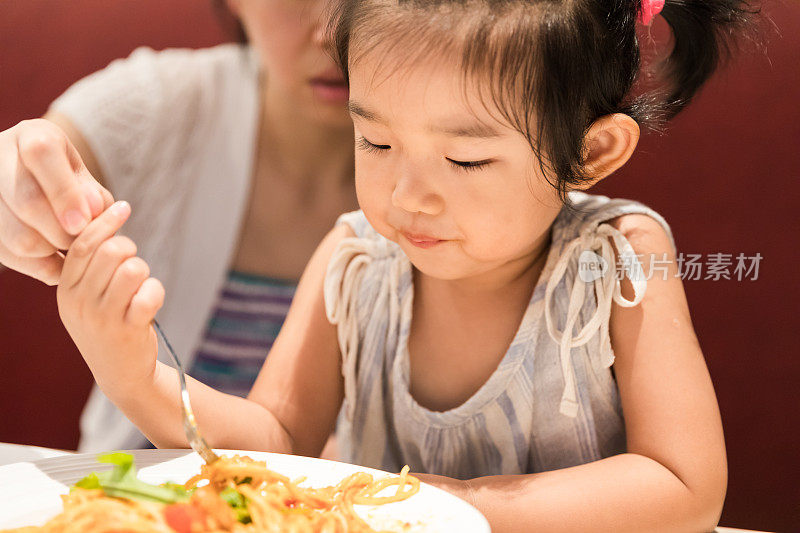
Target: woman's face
(289, 36)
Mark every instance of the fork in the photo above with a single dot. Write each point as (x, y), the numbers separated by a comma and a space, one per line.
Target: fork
(196, 440)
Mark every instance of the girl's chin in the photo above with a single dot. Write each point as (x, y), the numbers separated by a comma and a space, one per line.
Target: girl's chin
(442, 274)
(434, 267)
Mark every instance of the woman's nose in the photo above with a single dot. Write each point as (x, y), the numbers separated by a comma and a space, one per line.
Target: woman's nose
(320, 35)
(321, 32)
(412, 193)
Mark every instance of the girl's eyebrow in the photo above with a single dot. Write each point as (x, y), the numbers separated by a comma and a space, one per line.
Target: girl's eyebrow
(359, 110)
(477, 129)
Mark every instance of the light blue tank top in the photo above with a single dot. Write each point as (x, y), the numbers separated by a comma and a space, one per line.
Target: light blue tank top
(551, 403)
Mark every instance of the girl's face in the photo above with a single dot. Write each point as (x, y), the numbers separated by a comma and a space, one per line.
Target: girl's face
(289, 38)
(457, 188)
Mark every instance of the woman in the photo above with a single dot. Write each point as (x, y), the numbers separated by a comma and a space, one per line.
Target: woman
(222, 153)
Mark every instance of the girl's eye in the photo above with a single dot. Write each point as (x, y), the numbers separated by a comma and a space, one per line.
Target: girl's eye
(364, 144)
(469, 165)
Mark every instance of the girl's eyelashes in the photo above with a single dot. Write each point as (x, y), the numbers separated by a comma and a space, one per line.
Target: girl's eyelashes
(469, 165)
(364, 144)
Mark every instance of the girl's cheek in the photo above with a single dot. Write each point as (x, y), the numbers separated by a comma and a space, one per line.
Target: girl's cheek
(369, 191)
(374, 192)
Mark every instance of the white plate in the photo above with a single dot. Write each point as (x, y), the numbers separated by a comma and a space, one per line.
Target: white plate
(29, 492)
(16, 453)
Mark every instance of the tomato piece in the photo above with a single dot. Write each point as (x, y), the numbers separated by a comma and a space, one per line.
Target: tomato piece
(181, 516)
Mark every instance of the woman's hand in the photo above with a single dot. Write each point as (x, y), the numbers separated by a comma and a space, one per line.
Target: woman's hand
(107, 301)
(47, 196)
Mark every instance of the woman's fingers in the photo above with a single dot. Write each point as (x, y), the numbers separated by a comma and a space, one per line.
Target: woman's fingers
(145, 303)
(99, 197)
(21, 239)
(95, 190)
(43, 149)
(109, 256)
(24, 197)
(45, 269)
(85, 245)
(47, 196)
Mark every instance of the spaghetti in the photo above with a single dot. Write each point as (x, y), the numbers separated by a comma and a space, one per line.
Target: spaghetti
(234, 494)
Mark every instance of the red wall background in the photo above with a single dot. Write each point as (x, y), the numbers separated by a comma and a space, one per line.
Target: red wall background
(725, 176)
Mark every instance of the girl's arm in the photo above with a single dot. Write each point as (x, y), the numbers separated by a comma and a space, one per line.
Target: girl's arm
(674, 475)
(107, 302)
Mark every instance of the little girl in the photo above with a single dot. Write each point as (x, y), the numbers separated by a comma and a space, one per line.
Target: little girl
(468, 321)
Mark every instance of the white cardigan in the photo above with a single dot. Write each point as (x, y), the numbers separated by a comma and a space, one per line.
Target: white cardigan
(174, 133)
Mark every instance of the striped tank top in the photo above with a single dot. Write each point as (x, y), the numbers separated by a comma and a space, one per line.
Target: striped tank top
(552, 401)
(246, 319)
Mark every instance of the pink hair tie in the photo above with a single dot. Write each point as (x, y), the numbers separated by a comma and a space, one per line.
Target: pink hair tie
(650, 8)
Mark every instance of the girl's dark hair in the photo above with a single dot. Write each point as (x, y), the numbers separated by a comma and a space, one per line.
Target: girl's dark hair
(230, 24)
(554, 66)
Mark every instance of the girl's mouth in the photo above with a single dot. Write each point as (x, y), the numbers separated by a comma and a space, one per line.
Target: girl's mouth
(421, 241)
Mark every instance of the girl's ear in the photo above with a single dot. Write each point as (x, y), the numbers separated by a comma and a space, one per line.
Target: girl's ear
(609, 144)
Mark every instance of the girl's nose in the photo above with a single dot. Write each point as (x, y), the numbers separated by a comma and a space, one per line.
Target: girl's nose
(413, 194)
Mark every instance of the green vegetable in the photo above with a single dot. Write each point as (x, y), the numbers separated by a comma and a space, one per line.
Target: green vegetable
(238, 502)
(121, 482)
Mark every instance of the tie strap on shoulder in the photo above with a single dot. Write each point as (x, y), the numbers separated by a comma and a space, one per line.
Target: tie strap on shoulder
(595, 268)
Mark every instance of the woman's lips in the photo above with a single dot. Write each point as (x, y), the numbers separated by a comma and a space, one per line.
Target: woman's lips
(332, 90)
(422, 241)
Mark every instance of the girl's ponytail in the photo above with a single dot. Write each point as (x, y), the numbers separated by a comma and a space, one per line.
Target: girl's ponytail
(703, 34)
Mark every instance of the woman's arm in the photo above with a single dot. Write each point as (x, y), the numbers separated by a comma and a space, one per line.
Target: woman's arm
(107, 302)
(674, 476)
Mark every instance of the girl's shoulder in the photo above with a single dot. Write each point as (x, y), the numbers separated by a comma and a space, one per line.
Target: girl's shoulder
(370, 241)
(586, 212)
(358, 222)
(363, 267)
